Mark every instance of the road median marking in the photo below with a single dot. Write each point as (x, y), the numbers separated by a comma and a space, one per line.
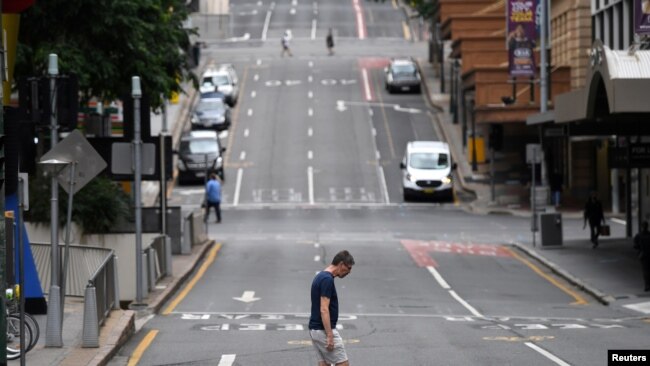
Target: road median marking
(181, 296)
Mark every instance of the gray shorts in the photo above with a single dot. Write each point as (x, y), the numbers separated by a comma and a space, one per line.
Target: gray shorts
(319, 340)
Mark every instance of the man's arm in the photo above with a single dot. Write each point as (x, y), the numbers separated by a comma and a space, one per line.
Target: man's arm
(325, 318)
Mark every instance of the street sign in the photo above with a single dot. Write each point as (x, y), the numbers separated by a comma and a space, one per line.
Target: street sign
(122, 158)
(76, 149)
(533, 153)
(639, 156)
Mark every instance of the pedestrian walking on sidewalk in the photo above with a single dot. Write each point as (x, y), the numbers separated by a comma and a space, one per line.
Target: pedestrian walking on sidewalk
(285, 43)
(326, 340)
(213, 197)
(594, 215)
(329, 42)
(642, 245)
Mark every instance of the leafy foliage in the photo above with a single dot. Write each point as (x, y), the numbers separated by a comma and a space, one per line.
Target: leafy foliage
(106, 42)
(96, 207)
(423, 7)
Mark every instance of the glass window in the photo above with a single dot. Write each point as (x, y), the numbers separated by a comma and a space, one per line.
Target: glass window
(404, 69)
(208, 105)
(429, 161)
(220, 80)
(199, 146)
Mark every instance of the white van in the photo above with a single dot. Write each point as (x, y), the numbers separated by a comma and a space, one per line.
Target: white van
(426, 170)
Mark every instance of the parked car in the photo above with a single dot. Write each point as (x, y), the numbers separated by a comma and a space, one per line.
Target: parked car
(426, 170)
(197, 147)
(211, 113)
(222, 79)
(402, 75)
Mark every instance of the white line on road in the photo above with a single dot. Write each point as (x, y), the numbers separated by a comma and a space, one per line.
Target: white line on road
(227, 360)
(316, 245)
(246, 132)
(374, 132)
(310, 64)
(438, 277)
(382, 182)
(465, 303)
(259, 61)
(366, 84)
(315, 7)
(547, 354)
(250, 112)
(267, 21)
(253, 94)
(377, 155)
(310, 94)
(242, 156)
(310, 132)
(235, 200)
(310, 78)
(256, 77)
(310, 154)
(294, 2)
(292, 11)
(316, 258)
(310, 112)
(370, 112)
(618, 221)
(310, 180)
(313, 29)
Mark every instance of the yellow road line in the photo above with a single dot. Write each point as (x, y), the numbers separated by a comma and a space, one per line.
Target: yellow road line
(144, 344)
(579, 299)
(211, 256)
(407, 31)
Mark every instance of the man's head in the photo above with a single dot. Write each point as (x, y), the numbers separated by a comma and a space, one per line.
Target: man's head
(343, 262)
(213, 176)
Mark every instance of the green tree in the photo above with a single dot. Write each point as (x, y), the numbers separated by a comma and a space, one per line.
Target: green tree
(423, 7)
(106, 42)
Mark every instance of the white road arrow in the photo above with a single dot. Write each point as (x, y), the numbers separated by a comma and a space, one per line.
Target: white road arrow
(348, 81)
(247, 296)
(397, 108)
(340, 106)
(245, 37)
(292, 82)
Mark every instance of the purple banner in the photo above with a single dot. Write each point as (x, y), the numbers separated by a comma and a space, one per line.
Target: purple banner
(521, 36)
(642, 16)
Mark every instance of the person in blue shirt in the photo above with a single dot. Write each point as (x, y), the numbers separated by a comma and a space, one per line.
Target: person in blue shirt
(213, 197)
(326, 339)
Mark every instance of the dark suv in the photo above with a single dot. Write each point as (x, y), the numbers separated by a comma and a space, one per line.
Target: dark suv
(195, 149)
(402, 75)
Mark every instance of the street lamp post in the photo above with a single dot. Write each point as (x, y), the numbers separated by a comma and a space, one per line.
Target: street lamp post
(53, 336)
(136, 93)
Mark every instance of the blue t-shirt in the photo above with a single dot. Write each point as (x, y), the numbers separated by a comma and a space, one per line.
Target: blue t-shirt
(213, 188)
(323, 285)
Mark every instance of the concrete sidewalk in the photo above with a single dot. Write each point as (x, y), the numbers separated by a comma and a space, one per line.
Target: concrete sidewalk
(121, 324)
(611, 273)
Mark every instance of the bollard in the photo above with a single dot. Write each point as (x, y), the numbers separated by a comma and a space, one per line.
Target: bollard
(90, 336)
(53, 331)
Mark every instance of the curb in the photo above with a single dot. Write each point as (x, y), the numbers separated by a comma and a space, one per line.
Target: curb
(154, 308)
(597, 294)
(116, 339)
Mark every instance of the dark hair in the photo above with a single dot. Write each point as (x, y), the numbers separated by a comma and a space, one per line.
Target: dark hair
(213, 176)
(343, 256)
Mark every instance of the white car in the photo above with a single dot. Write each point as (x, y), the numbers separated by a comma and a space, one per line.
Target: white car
(426, 170)
(222, 79)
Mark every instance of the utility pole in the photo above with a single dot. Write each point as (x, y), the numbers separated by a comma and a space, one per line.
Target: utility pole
(543, 79)
(136, 93)
(3, 241)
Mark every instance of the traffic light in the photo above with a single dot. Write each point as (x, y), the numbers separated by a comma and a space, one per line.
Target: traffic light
(496, 137)
(34, 100)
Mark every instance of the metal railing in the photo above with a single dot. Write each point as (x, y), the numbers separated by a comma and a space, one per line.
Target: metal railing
(105, 282)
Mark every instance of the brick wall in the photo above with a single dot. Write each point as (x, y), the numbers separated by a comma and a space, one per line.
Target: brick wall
(571, 37)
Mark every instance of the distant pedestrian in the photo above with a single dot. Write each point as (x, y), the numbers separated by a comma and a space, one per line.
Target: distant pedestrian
(593, 214)
(642, 245)
(556, 188)
(329, 41)
(325, 312)
(286, 39)
(213, 197)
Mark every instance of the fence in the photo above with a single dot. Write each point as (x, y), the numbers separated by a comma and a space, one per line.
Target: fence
(157, 259)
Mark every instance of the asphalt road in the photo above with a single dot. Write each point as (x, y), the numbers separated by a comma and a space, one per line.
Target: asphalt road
(312, 167)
